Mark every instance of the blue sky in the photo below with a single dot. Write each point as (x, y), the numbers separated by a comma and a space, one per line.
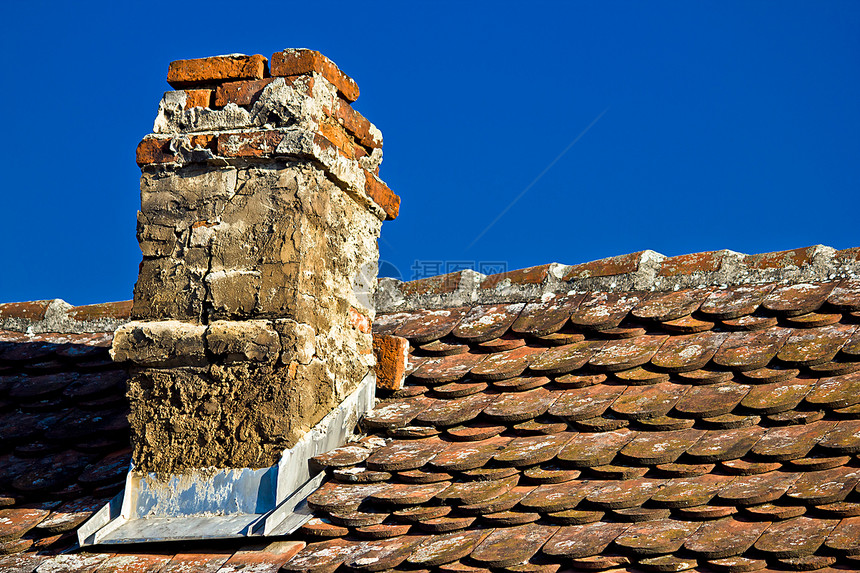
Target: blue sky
(724, 125)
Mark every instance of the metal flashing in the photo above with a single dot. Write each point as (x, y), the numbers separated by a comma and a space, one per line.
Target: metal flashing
(227, 503)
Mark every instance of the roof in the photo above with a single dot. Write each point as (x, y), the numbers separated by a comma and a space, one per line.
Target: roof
(709, 424)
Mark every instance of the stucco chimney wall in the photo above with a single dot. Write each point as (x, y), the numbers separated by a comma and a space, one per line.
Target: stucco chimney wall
(260, 210)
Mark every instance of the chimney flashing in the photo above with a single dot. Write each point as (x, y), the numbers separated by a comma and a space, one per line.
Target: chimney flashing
(227, 503)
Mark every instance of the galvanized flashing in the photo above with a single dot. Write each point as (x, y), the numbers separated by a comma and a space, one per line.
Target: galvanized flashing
(227, 503)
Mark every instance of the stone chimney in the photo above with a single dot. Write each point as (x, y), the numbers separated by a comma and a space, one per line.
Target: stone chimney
(260, 211)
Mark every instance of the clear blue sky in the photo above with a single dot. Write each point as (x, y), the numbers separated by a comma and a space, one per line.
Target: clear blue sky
(727, 125)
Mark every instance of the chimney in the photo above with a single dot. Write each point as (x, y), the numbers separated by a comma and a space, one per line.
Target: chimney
(260, 211)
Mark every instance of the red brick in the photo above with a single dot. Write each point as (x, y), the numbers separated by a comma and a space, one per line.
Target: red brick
(198, 98)
(301, 61)
(693, 263)
(382, 195)
(336, 134)
(187, 73)
(25, 310)
(248, 144)
(391, 353)
(358, 151)
(203, 140)
(356, 124)
(119, 310)
(240, 93)
(154, 150)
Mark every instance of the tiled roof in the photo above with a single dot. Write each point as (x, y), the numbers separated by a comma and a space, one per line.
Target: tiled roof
(714, 428)
(63, 436)
(709, 429)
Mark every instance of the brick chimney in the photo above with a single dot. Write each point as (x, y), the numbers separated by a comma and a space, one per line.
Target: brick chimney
(260, 211)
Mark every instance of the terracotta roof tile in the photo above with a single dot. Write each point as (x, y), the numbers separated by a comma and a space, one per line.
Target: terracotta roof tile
(656, 537)
(662, 307)
(446, 548)
(735, 301)
(711, 400)
(405, 454)
(486, 322)
(625, 494)
(578, 541)
(532, 450)
(567, 358)
(688, 352)
(777, 396)
(447, 368)
(509, 546)
(611, 266)
(795, 299)
(583, 403)
(546, 316)
(665, 431)
(430, 324)
(723, 445)
(651, 448)
(648, 401)
(531, 275)
(791, 442)
(726, 537)
(618, 355)
(843, 438)
(797, 537)
(452, 412)
(751, 350)
(397, 413)
(600, 311)
(519, 406)
(689, 492)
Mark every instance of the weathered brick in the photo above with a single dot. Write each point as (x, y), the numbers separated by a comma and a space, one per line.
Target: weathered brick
(382, 195)
(358, 151)
(301, 61)
(248, 144)
(202, 71)
(154, 150)
(335, 134)
(356, 124)
(198, 98)
(391, 355)
(240, 93)
(206, 141)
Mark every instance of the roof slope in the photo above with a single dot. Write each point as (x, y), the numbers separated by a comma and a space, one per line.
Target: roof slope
(714, 428)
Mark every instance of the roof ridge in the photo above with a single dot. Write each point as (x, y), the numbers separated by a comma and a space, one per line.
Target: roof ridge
(56, 315)
(640, 271)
